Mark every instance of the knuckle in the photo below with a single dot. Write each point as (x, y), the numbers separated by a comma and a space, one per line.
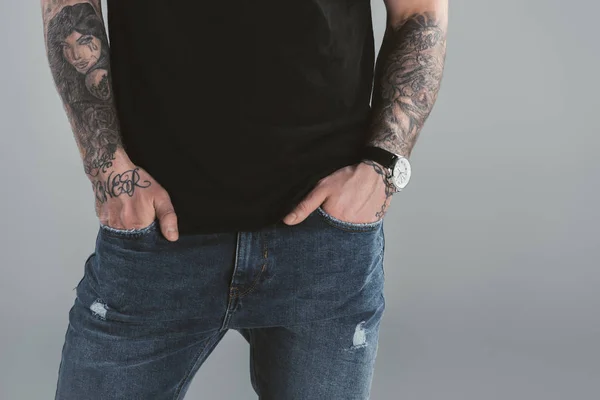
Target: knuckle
(166, 210)
(163, 201)
(323, 181)
(302, 207)
(169, 214)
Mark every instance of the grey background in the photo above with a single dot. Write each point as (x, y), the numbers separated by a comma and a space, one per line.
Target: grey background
(492, 259)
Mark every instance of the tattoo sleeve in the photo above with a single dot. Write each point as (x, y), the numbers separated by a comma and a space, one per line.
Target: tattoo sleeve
(407, 80)
(78, 54)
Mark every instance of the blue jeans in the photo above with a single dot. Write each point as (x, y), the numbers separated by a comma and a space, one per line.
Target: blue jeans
(148, 312)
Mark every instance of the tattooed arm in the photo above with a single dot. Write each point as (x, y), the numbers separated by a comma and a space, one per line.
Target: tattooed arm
(408, 73)
(407, 79)
(78, 54)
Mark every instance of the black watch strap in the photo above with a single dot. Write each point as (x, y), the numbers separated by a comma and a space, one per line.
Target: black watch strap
(379, 155)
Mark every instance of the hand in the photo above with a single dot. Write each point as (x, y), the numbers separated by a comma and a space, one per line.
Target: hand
(127, 197)
(356, 193)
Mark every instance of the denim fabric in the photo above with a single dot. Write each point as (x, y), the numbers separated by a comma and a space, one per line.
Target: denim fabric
(148, 312)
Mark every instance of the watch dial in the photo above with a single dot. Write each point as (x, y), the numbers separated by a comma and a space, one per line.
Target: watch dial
(401, 173)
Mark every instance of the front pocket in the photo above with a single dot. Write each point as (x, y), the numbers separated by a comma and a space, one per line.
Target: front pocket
(349, 226)
(129, 233)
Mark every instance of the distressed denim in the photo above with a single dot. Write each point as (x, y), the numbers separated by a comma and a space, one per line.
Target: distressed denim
(148, 312)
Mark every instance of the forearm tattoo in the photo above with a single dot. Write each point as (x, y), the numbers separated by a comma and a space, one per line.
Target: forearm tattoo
(78, 53)
(407, 80)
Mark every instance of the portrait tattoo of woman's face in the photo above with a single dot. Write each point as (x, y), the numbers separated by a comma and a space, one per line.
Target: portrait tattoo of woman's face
(78, 54)
(81, 51)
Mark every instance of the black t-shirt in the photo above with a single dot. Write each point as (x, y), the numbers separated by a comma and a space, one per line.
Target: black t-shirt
(238, 108)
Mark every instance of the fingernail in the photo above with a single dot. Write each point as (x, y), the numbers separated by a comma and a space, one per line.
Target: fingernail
(291, 218)
(172, 233)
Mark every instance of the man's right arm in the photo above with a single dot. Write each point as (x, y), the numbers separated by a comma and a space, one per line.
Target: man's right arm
(80, 67)
(79, 58)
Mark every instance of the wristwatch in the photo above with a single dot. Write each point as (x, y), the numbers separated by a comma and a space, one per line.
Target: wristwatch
(397, 166)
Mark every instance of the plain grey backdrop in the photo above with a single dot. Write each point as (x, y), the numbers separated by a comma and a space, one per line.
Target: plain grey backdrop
(492, 259)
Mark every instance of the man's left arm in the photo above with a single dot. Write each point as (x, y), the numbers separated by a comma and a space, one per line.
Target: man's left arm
(408, 74)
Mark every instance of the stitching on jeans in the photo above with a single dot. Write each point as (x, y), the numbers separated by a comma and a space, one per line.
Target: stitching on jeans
(236, 291)
(128, 232)
(265, 247)
(382, 244)
(188, 372)
(349, 226)
(254, 282)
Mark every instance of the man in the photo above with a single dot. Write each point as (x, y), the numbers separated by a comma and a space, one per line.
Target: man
(241, 179)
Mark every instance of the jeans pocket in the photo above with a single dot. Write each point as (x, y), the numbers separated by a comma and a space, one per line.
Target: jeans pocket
(129, 233)
(348, 226)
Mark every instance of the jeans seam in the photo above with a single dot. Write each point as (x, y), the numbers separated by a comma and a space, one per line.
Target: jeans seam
(128, 233)
(232, 289)
(235, 292)
(252, 285)
(349, 226)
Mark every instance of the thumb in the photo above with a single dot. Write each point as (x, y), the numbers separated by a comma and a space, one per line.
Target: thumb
(166, 217)
(303, 209)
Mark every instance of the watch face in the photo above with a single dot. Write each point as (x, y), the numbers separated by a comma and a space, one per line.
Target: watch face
(401, 173)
